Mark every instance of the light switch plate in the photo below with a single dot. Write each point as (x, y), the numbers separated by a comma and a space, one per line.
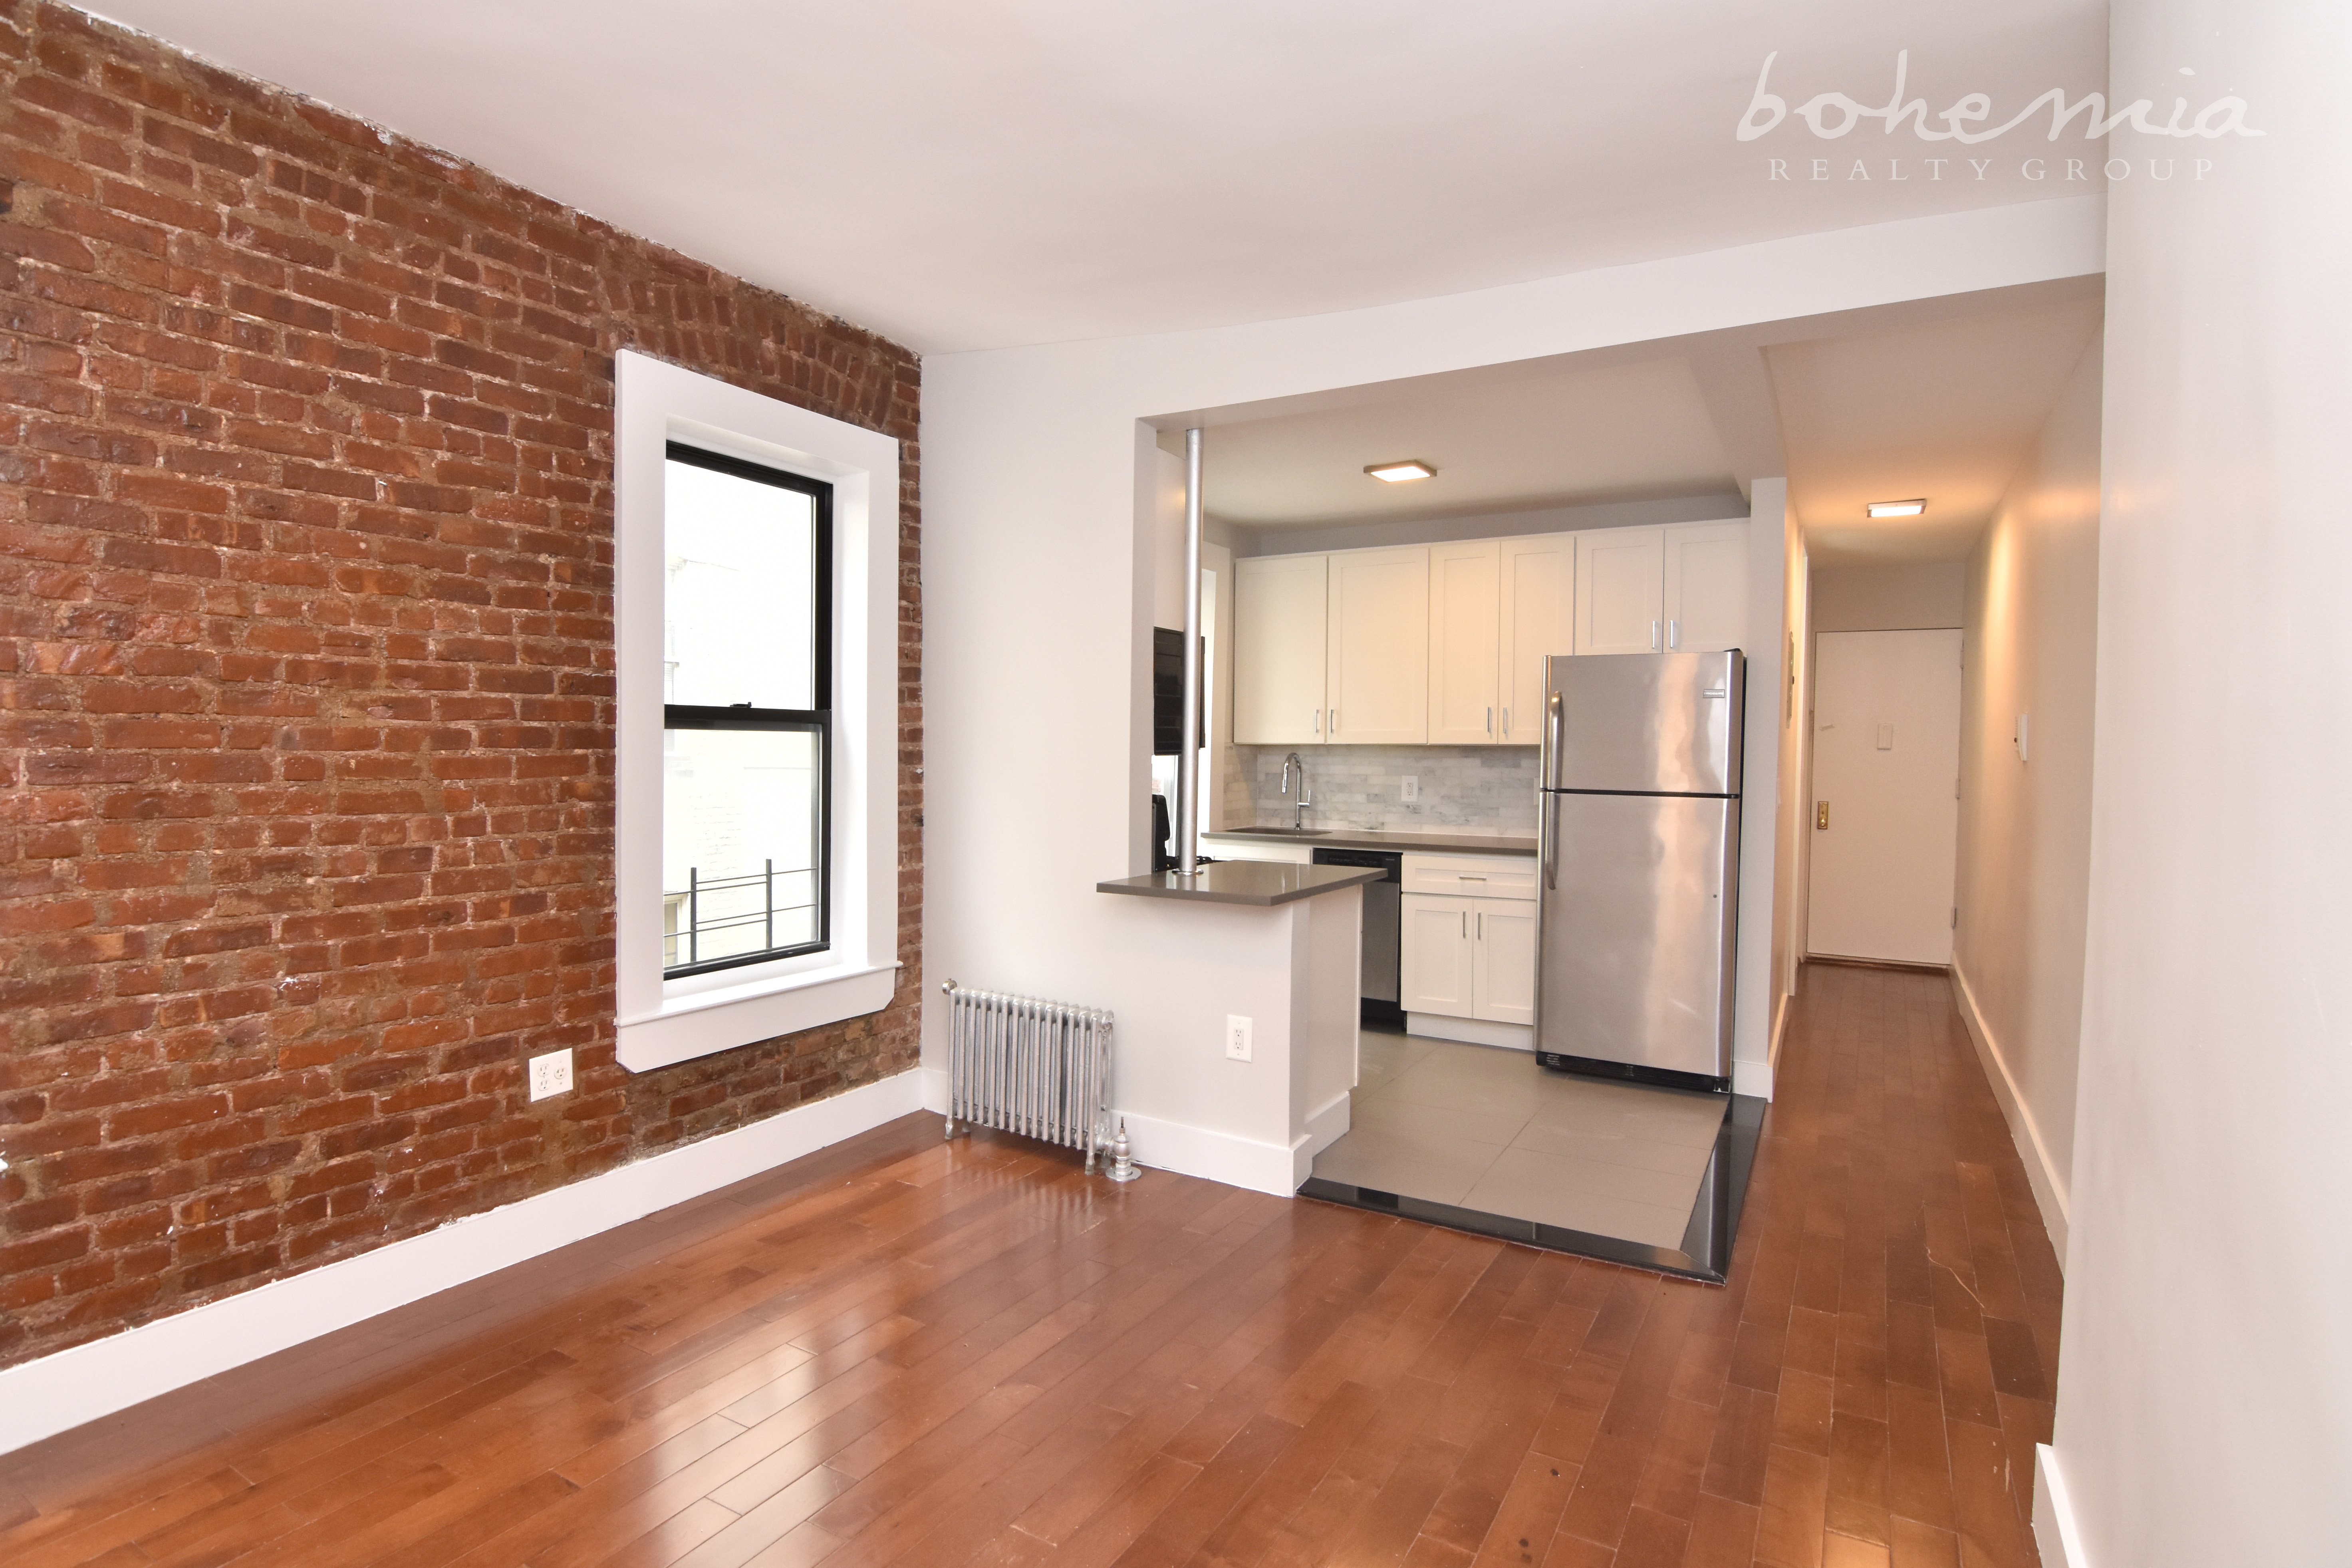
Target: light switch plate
(550, 1074)
(1412, 790)
(1237, 1037)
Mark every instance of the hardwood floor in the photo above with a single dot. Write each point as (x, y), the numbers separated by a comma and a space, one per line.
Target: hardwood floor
(901, 1351)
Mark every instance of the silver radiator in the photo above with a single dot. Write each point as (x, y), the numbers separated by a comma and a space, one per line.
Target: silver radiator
(1022, 1065)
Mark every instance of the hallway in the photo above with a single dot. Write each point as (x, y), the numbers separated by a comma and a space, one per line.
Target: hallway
(897, 1351)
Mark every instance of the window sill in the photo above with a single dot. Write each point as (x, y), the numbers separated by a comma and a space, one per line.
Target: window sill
(725, 1018)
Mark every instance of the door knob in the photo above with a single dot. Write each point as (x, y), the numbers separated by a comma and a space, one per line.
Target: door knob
(1821, 814)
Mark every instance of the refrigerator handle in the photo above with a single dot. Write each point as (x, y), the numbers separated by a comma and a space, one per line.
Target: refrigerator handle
(1548, 847)
(1548, 739)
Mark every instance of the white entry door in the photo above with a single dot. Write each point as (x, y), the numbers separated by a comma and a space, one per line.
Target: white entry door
(1886, 812)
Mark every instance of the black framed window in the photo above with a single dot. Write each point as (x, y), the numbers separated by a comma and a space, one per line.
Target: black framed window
(747, 716)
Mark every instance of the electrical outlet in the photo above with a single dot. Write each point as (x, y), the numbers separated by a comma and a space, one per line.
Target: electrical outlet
(1411, 788)
(550, 1074)
(1237, 1037)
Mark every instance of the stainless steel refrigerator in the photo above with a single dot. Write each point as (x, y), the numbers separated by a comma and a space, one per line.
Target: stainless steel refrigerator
(1637, 901)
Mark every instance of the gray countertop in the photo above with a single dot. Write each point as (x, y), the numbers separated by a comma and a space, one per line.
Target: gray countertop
(1260, 882)
(1436, 841)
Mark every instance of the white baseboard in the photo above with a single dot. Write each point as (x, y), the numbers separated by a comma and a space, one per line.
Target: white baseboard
(1325, 1127)
(1757, 1077)
(1197, 1152)
(1471, 1031)
(1212, 1156)
(2041, 1172)
(2053, 1514)
(57, 1393)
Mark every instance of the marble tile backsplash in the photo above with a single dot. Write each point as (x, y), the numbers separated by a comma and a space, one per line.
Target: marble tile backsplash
(1491, 787)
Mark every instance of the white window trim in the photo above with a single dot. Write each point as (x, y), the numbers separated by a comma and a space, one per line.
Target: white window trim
(660, 1022)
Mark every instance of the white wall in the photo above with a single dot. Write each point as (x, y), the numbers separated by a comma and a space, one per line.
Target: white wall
(1038, 552)
(2024, 870)
(1380, 532)
(1794, 831)
(2205, 1377)
(1899, 596)
(1756, 1007)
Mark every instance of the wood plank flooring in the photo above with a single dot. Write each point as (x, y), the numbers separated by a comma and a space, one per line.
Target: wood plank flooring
(901, 1352)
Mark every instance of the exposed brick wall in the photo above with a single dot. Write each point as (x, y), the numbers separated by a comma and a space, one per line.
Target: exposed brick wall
(305, 630)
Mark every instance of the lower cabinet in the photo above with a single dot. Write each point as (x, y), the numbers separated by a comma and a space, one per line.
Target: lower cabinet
(1437, 966)
(1504, 985)
(1468, 958)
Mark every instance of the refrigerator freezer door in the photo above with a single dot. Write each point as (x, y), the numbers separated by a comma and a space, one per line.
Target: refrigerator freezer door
(1664, 724)
(1635, 931)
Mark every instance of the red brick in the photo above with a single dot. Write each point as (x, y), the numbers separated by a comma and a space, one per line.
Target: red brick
(312, 630)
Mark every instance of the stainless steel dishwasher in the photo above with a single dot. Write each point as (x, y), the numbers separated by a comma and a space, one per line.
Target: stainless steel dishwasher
(1383, 928)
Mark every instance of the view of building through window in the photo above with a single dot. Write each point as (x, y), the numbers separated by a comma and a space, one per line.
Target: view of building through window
(744, 745)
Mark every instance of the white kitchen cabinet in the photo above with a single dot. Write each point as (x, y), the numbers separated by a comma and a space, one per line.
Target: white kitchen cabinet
(1536, 601)
(1620, 590)
(1437, 963)
(1503, 988)
(1280, 604)
(1469, 950)
(1707, 587)
(1444, 643)
(1464, 644)
(1377, 679)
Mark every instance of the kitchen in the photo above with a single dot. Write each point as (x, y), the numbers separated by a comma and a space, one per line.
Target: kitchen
(1376, 653)
(1379, 706)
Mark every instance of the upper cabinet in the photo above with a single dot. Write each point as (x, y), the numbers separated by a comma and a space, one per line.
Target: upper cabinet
(1464, 644)
(1279, 646)
(1377, 677)
(1707, 587)
(1620, 580)
(1445, 642)
(1537, 605)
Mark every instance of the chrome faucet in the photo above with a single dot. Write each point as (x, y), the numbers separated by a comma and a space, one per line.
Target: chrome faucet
(1292, 763)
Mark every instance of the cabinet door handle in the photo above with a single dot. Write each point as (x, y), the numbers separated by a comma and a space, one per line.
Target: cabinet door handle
(1490, 721)
(1466, 923)
(1318, 721)
(1335, 721)
(1673, 634)
(1506, 721)
(1482, 925)
(1653, 636)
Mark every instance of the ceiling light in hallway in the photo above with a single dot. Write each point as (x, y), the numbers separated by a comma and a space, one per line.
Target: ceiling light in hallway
(1897, 507)
(1398, 473)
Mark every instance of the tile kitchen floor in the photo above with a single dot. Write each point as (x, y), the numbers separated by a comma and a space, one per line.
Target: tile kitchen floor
(1482, 1128)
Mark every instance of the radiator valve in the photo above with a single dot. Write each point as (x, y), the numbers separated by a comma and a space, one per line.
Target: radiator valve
(1122, 1158)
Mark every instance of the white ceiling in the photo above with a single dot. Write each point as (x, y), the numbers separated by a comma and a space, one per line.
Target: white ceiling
(1945, 411)
(1555, 432)
(1938, 398)
(968, 174)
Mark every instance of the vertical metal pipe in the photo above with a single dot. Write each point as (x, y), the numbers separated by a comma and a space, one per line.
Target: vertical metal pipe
(1188, 748)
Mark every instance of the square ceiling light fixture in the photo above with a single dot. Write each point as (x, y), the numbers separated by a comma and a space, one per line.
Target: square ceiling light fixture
(1897, 507)
(1398, 473)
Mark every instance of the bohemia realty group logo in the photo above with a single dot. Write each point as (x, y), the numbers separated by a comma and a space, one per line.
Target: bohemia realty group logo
(1831, 115)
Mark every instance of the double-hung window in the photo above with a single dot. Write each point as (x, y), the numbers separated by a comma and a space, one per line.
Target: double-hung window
(755, 624)
(747, 673)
